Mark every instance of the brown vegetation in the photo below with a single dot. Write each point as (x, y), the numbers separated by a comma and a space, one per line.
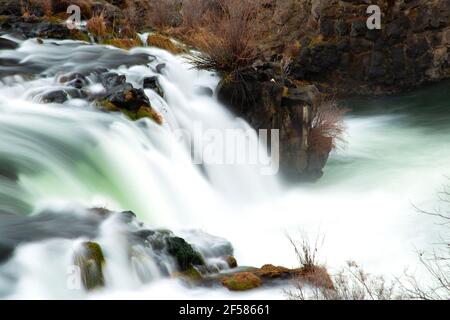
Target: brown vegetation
(97, 26)
(328, 128)
(227, 37)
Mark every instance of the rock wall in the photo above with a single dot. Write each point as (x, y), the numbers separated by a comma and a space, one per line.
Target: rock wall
(266, 101)
(338, 52)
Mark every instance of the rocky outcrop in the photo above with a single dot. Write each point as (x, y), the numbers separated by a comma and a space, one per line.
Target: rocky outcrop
(338, 52)
(90, 259)
(266, 100)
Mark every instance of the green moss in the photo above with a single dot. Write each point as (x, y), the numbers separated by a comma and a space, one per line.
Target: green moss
(190, 275)
(107, 106)
(183, 253)
(122, 43)
(242, 281)
(95, 251)
(165, 43)
(90, 260)
(80, 36)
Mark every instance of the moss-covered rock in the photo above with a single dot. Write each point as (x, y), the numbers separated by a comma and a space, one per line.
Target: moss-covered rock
(90, 260)
(165, 43)
(275, 272)
(191, 275)
(242, 281)
(123, 43)
(184, 253)
(231, 261)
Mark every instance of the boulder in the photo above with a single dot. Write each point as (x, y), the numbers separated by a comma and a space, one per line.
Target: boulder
(184, 254)
(90, 259)
(153, 84)
(56, 96)
(6, 44)
(242, 281)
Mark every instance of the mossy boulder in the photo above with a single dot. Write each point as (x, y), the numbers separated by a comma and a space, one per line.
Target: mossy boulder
(232, 262)
(91, 261)
(242, 281)
(275, 272)
(122, 96)
(191, 275)
(185, 255)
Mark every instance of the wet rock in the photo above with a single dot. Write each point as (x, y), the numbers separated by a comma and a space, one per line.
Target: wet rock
(90, 259)
(128, 98)
(57, 96)
(110, 80)
(160, 68)
(153, 83)
(6, 44)
(122, 96)
(261, 98)
(242, 281)
(232, 262)
(183, 253)
(5, 252)
(205, 91)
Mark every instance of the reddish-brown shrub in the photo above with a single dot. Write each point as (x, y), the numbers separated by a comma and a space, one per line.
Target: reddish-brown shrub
(45, 5)
(97, 26)
(228, 38)
(328, 128)
(164, 14)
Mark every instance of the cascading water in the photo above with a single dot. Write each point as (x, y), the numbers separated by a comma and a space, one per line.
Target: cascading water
(70, 157)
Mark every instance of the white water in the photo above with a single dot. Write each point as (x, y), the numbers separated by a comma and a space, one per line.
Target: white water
(73, 155)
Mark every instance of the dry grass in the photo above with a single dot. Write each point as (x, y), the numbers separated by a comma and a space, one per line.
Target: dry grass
(164, 14)
(328, 128)
(228, 37)
(351, 283)
(97, 26)
(306, 253)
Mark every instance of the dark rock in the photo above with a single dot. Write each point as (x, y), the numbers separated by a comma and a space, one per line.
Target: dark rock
(183, 252)
(6, 44)
(160, 68)
(270, 105)
(153, 83)
(128, 98)
(205, 91)
(111, 80)
(90, 259)
(57, 96)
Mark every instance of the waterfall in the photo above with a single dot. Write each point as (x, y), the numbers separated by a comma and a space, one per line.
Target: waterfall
(65, 158)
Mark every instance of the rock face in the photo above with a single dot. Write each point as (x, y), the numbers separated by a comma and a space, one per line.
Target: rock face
(337, 48)
(267, 101)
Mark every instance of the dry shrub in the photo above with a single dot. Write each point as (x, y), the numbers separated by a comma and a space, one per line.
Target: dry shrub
(45, 5)
(164, 14)
(436, 263)
(97, 26)
(306, 253)
(194, 12)
(227, 38)
(328, 128)
(351, 283)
